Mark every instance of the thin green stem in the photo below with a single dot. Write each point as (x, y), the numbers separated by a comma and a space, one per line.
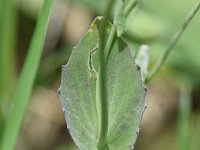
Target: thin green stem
(110, 40)
(104, 47)
(177, 36)
(130, 7)
(26, 80)
(103, 90)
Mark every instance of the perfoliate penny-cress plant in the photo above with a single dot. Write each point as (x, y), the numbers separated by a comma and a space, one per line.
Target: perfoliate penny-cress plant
(96, 120)
(103, 84)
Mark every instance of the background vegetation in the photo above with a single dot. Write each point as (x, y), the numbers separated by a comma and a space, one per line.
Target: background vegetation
(172, 118)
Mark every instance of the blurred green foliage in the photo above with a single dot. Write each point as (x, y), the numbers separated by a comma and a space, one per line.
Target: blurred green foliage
(26, 79)
(184, 58)
(97, 6)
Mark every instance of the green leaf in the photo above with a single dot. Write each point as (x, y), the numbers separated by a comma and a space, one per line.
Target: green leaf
(131, 46)
(79, 93)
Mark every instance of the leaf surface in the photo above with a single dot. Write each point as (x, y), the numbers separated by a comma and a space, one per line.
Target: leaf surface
(79, 92)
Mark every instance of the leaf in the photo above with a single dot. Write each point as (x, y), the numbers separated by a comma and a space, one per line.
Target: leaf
(79, 92)
(131, 45)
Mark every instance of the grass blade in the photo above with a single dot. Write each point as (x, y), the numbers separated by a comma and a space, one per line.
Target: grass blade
(7, 62)
(25, 83)
(7, 44)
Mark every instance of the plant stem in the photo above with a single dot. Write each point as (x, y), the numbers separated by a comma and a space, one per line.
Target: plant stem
(130, 6)
(177, 36)
(111, 38)
(26, 80)
(104, 47)
(103, 90)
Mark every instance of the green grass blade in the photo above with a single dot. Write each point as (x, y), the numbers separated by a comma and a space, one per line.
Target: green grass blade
(7, 62)
(7, 44)
(25, 83)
